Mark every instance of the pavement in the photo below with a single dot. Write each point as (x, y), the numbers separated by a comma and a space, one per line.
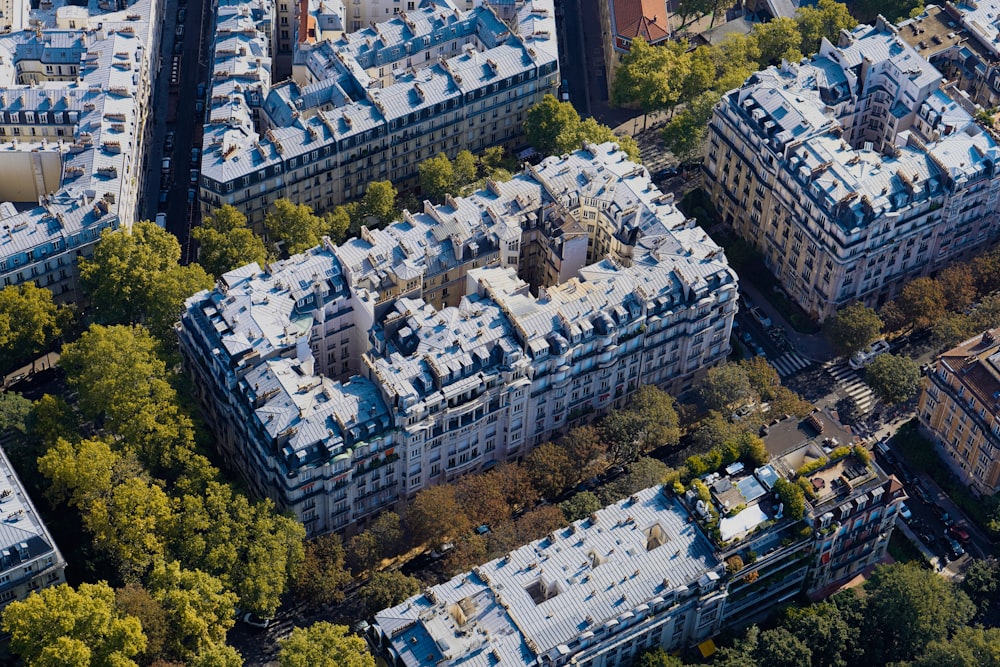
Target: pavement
(812, 346)
(44, 362)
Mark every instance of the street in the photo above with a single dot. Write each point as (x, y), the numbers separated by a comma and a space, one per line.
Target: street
(175, 183)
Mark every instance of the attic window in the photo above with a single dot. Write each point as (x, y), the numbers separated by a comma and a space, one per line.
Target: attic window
(655, 536)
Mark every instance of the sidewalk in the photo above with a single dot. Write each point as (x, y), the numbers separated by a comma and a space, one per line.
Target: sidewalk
(44, 362)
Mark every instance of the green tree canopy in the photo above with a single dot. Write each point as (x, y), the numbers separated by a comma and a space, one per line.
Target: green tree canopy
(553, 127)
(657, 657)
(778, 39)
(792, 497)
(387, 589)
(657, 411)
(295, 225)
(826, 19)
(894, 378)
(854, 327)
(226, 243)
(29, 322)
(437, 178)
(906, 608)
(167, 296)
(651, 77)
(82, 628)
(726, 387)
(685, 134)
(379, 202)
(200, 610)
(580, 505)
(124, 270)
(969, 647)
(324, 645)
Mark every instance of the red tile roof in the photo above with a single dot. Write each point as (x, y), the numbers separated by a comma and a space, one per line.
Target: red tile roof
(645, 18)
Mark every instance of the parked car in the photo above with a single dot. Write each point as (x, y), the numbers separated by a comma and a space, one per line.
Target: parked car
(194, 177)
(905, 512)
(958, 533)
(166, 165)
(760, 316)
(445, 548)
(742, 413)
(168, 141)
(195, 153)
(862, 358)
(161, 220)
(955, 548)
(747, 338)
(252, 619)
(482, 530)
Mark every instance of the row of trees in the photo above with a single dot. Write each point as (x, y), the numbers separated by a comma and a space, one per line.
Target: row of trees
(175, 548)
(662, 78)
(440, 176)
(906, 616)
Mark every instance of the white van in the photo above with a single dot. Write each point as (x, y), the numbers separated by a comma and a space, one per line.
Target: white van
(161, 220)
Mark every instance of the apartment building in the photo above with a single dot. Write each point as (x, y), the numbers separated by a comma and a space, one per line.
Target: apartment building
(854, 172)
(342, 381)
(959, 410)
(73, 108)
(658, 570)
(961, 41)
(29, 557)
(370, 105)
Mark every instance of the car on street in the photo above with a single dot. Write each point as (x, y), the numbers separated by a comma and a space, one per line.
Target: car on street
(445, 548)
(862, 358)
(747, 338)
(905, 512)
(761, 317)
(195, 153)
(958, 533)
(168, 141)
(194, 177)
(759, 351)
(955, 549)
(252, 619)
(192, 193)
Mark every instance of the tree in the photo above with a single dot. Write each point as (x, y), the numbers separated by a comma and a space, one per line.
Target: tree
(483, 497)
(548, 468)
(642, 474)
(894, 378)
(792, 497)
(200, 610)
(853, 328)
(739, 52)
(586, 452)
(465, 167)
(515, 483)
(969, 647)
(656, 410)
(135, 601)
(380, 540)
(549, 124)
(437, 178)
(435, 515)
(323, 575)
(657, 657)
(379, 202)
(780, 648)
(29, 322)
(921, 302)
(826, 19)
(62, 626)
(778, 39)
(387, 589)
(981, 582)
(130, 524)
(553, 127)
(295, 225)
(538, 522)
(958, 285)
(15, 410)
(685, 134)
(340, 223)
(324, 645)
(986, 269)
(167, 296)
(726, 387)
(623, 431)
(469, 550)
(226, 243)
(580, 505)
(651, 77)
(906, 608)
(832, 639)
(125, 268)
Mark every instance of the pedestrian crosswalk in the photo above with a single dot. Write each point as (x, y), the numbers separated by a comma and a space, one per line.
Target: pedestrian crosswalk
(789, 363)
(852, 384)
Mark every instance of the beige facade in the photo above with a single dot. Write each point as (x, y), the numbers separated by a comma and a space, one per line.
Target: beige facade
(851, 179)
(960, 409)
